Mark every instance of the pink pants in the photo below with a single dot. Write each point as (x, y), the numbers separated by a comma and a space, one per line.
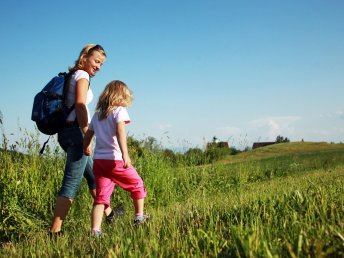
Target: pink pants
(108, 173)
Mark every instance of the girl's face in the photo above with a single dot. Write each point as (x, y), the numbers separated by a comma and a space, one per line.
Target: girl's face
(93, 63)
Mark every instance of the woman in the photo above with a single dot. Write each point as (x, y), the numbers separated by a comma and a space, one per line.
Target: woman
(70, 138)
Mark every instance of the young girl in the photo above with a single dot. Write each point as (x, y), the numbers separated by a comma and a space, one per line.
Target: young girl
(112, 164)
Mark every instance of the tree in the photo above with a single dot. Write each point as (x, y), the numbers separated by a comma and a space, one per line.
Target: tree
(280, 139)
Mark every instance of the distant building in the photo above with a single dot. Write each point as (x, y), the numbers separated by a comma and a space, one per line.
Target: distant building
(261, 144)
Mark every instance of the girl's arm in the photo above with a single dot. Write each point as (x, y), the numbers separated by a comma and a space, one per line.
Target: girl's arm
(122, 141)
(87, 142)
(80, 103)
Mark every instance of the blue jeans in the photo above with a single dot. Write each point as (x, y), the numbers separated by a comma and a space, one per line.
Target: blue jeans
(77, 164)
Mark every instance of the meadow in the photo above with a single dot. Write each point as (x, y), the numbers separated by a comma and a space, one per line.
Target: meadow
(283, 200)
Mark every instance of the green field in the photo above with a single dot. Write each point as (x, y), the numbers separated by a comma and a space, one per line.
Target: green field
(283, 200)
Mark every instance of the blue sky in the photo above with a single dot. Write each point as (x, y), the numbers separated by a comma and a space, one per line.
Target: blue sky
(242, 71)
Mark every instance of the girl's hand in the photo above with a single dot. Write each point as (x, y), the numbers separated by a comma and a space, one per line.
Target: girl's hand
(122, 141)
(127, 161)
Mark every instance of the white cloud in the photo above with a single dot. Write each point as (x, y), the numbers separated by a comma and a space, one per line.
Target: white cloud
(270, 127)
(334, 114)
(328, 133)
(229, 130)
(263, 129)
(340, 114)
(308, 127)
(164, 127)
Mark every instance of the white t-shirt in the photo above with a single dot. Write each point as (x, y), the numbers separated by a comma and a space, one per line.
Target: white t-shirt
(106, 134)
(77, 75)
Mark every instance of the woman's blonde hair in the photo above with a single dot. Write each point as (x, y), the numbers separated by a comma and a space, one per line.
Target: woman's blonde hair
(115, 94)
(86, 52)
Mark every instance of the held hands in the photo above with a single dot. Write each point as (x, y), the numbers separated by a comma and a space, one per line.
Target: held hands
(88, 150)
(88, 135)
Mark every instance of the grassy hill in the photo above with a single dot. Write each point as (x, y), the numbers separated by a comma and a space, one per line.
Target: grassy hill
(283, 149)
(276, 201)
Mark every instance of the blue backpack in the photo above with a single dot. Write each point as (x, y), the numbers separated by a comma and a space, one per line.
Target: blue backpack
(49, 109)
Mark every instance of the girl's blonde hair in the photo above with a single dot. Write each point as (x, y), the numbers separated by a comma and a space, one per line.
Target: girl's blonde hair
(115, 94)
(86, 52)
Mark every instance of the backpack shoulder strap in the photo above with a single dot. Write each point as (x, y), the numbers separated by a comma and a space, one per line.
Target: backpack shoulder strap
(66, 86)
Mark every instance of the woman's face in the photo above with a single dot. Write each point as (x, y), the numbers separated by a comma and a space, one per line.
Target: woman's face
(93, 63)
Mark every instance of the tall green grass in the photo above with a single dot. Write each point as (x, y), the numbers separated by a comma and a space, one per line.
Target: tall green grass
(282, 205)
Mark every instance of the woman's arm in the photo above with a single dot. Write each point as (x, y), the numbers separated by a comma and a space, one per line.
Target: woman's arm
(81, 89)
(122, 141)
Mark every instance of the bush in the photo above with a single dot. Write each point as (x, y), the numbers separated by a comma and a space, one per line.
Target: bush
(194, 157)
(216, 153)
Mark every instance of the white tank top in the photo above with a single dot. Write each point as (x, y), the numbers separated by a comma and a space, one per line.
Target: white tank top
(77, 75)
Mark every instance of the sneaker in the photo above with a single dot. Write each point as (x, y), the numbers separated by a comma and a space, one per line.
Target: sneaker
(140, 220)
(110, 218)
(118, 211)
(96, 234)
(54, 235)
